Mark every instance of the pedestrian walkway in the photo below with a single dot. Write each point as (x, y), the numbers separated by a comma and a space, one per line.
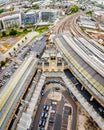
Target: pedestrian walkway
(25, 40)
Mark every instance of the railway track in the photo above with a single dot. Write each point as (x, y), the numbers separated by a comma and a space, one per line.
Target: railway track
(69, 26)
(76, 62)
(93, 52)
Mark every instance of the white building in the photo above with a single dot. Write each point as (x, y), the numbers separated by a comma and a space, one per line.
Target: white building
(14, 20)
(99, 1)
(86, 22)
(99, 15)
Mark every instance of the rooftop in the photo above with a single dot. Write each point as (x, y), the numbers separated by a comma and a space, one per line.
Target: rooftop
(10, 16)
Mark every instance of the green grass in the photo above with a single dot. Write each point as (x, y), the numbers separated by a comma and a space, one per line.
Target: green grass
(74, 9)
(21, 32)
(33, 38)
(89, 13)
(41, 29)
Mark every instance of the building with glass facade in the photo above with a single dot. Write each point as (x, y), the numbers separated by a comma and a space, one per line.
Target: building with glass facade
(49, 15)
(31, 17)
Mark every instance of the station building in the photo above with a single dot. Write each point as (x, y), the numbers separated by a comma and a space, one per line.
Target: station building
(52, 61)
(87, 22)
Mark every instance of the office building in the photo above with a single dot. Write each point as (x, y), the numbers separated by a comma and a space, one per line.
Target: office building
(10, 21)
(49, 15)
(31, 17)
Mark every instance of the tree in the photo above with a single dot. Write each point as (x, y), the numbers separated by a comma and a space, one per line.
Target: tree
(13, 32)
(3, 33)
(74, 9)
(25, 6)
(10, 54)
(89, 13)
(14, 49)
(36, 6)
(1, 11)
(22, 41)
(6, 59)
(25, 38)
(18, 44)
(2, 63)
(25, 30)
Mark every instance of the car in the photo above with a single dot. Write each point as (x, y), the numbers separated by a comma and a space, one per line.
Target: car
(55, 81)
(53, 111)
(46, 108)
(42, 123)
(51, 121)
(15, 67)
(101, 109)
(44, 115)
(57, 88)
(54, 103)
(3, 81)
(13, 70)
(42, 94)
(62, 84)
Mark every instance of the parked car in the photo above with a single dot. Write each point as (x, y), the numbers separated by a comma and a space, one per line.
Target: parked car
(46, 108)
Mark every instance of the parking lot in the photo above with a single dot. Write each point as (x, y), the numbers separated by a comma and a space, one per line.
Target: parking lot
(54, 113)
(35, 48)
(8, 72)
